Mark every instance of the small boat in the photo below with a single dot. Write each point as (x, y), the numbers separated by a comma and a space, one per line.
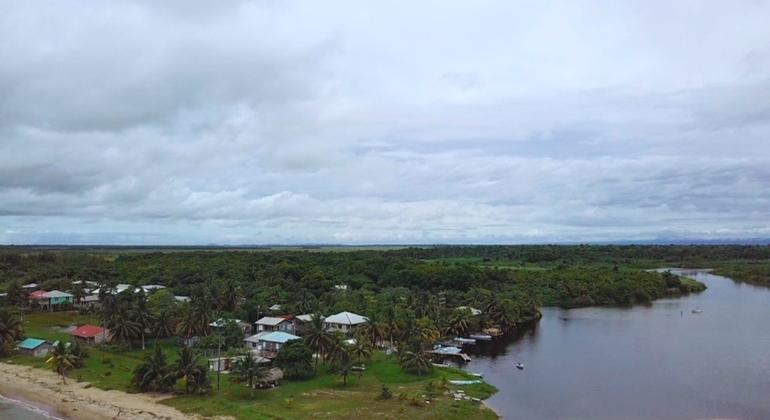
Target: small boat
(697, 311)
(564, 318)
(481, 337)
(478, 375)
(463, 340)
(520, 366)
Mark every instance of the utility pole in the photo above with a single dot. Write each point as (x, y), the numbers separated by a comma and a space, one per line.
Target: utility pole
(219, 360)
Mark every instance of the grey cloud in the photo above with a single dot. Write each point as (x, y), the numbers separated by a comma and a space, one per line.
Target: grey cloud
(289, 122)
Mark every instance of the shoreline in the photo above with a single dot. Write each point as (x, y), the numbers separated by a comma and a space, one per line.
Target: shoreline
(44, 390)
(36, 407)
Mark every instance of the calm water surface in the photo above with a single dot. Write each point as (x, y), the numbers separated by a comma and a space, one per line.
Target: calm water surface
(646, 362)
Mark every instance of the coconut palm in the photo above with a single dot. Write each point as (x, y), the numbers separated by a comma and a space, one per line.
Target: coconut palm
(337, 348)
(163, 324)
(460, 321)
(79, 353)
(343, 364)
(122, 326)
(154, 374)
(373, 331)
(142, 315)
(360, 350)
(426, 330)
(316, 336)
(16, 295)
(415, 360)
(187, 366)
(61, 360)
(247, 370)
(10, 329)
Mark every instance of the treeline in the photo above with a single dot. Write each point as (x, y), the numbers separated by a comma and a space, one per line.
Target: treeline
(363, 281)
(755, 273)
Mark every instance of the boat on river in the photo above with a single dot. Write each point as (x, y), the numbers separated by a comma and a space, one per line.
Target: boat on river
(520, 366)
(697, 311)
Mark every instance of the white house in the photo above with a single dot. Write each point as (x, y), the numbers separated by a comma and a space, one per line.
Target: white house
(474, 311)
(274, 323)
(268, 341)
(344, 321)
(220, 323)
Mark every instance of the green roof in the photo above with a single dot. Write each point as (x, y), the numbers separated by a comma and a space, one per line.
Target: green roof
(30, 343)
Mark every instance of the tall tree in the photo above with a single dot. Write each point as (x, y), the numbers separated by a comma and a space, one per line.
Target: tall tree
(295, 360)
(142, 315)
(154, 374)
(163, 324)
(16, 295)
(62, 360)
(316, 336)
(247, 370)
(188, 367)
(122, 326)
(10, 329)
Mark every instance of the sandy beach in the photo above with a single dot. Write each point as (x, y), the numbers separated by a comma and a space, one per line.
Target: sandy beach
(75, 401)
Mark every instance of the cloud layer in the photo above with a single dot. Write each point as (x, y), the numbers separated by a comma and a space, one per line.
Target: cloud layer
(349, 122)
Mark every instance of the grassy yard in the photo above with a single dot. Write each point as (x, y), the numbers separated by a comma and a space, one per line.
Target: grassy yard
(323, 396)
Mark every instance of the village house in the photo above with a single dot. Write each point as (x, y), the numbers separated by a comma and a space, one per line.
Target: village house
(34, 347)
(220, 323)
(225, 363)
(473, 311)
(52, 300)
(90, 301)
(90, 334)
(344, 322)
(268, 342)
(272, 323)
(301, 323)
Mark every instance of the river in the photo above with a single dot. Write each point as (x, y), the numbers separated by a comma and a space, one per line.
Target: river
(643, 362)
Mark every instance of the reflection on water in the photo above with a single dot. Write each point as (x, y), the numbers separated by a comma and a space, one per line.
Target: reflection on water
(657, 361)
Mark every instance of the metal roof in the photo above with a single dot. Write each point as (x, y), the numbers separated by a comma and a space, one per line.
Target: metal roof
(30, 343)
(346, 318)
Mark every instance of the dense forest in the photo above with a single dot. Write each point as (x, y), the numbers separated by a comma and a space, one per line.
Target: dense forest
(363, 280)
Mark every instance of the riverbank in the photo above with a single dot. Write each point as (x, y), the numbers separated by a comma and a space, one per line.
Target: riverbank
(77, 400)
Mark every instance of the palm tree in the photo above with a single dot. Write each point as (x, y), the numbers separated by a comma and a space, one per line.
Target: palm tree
(415, 360)
(142, 315)
(79, 353)
(15, 294)
(154, 374)
(187, 324)
(337, 348)
(61, 360)
(426, 330)
(247, 370)
(123, 327)
(163, 324)
(10, 329)
(343, 365)
(229, 295)
(187, 367)
(316, 337)
(460, 321)
(373, 331)
(361, 350)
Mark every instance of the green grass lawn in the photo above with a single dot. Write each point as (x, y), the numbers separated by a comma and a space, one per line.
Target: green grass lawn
(323, 396)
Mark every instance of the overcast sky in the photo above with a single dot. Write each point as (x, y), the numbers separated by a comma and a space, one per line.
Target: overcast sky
(267, 122)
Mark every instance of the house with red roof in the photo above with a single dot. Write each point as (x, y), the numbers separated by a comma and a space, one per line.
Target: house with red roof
(90, 334)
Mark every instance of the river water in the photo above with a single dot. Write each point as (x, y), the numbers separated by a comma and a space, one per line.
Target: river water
(644, 362)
